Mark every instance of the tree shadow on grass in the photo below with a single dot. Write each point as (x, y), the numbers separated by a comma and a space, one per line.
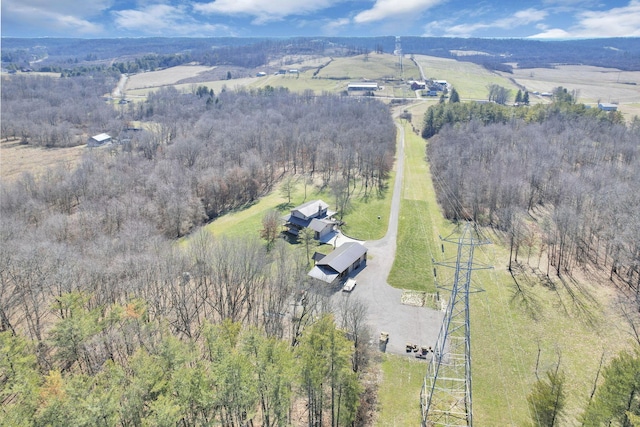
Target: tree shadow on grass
(582, 302)
(522, 294)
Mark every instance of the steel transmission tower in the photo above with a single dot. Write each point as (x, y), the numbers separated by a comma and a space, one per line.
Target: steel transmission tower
(446, 392)
(398, 53)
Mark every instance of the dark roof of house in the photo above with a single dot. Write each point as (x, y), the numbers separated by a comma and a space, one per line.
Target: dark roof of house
(345, 255)
(317, 256)
(311, 208)
(297, 221)
(320, 224)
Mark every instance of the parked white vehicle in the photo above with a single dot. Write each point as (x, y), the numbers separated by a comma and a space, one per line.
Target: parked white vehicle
(349, 285)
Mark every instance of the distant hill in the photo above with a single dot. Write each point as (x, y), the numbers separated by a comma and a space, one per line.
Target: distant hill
(621, 53)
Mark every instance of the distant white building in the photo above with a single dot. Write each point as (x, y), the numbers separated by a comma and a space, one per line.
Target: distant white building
(362, 86)
(99, 140)
(607, 107)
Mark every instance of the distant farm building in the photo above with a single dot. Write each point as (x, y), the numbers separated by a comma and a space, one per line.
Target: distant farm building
(608, 107)
(99, 140)
(261, 74)
(315, 215)
(362, 86)
(415, 85)
(334, 267)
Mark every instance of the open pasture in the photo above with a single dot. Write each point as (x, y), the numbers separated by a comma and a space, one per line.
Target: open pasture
(592, 84)
(164, 77)
(372, 67)
(16, 159)
(469, 79)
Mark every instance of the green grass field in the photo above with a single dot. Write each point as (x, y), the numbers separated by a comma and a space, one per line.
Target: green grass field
(401, 379)
(374, 67)
(470, 80)
(419, 222)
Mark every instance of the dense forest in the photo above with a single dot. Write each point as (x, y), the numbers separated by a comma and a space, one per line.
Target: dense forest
(621, 53)
(557, 180)
(107, 319)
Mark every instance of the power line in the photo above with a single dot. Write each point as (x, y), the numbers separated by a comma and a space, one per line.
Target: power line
(446, 398)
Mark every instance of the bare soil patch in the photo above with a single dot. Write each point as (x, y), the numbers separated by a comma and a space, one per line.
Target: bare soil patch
(16, 159)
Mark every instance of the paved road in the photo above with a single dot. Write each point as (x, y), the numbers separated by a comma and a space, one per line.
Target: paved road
(404, 323)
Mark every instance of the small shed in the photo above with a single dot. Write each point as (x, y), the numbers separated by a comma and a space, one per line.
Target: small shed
(99, 140)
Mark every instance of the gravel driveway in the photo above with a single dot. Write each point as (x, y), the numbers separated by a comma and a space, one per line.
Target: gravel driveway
(404, 323)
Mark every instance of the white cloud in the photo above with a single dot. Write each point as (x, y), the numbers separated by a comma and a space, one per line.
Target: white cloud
(522, 17)
(67, 17)
(162, 19)
(385, 9)
(333, 27)
(615, 22)
(76, 8)
(263, 10)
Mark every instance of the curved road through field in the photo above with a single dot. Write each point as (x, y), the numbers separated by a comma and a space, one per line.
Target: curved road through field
(404, 323)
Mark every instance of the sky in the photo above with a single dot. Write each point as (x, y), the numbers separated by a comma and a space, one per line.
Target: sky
(542, 19)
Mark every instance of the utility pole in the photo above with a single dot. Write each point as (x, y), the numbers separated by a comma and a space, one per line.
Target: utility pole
(446, 392)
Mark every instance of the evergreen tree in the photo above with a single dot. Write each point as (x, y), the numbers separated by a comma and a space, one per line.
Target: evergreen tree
(617, 399)
(518, 97)
(525, 98)
(454, 97)
(547, 399)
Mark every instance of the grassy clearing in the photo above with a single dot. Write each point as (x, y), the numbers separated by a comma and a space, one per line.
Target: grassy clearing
(16, 159)
(375, 66)
(419, 221)
(570, 320)
(361, 220)
(398, 397)
(470, 80)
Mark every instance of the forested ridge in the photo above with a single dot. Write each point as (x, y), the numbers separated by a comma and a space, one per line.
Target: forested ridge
(622, 53)
(105, 319)
(559, 180)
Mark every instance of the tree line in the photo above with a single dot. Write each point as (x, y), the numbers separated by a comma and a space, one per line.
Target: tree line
(561, 185)
(56, 112)
(564, 104)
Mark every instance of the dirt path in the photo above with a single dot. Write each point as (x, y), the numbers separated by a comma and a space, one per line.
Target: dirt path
(404, 323)
(119, 89)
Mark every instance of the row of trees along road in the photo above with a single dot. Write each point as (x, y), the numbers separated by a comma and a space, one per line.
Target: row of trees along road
(101, 307)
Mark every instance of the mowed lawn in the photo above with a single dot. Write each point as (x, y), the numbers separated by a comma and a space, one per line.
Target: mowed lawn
(361, 219)
(419, 223)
